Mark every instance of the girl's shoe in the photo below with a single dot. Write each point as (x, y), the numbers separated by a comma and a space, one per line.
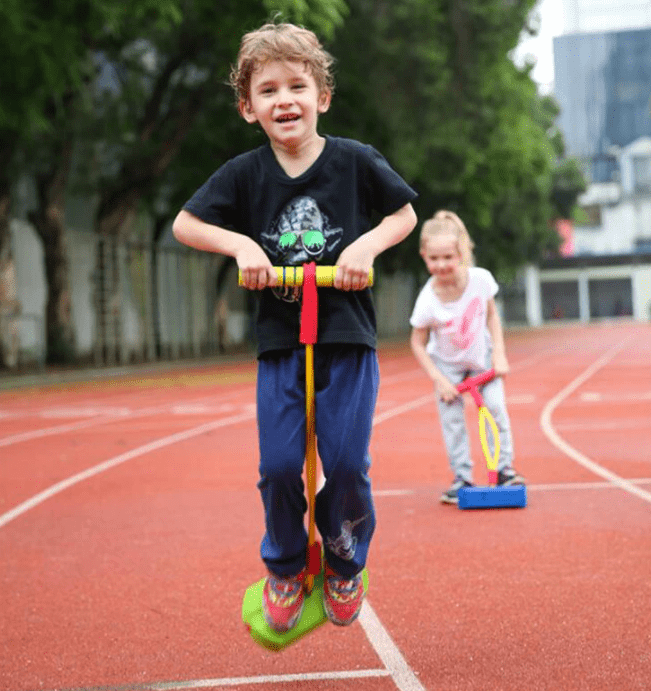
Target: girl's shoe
(451, 495)
(342, 597)
(282, 601)
(508, 477)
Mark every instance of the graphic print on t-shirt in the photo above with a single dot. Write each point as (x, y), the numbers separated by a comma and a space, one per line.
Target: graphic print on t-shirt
(302, 233)
(464, 329)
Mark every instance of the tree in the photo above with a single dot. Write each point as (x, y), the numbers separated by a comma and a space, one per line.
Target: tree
(434, 89)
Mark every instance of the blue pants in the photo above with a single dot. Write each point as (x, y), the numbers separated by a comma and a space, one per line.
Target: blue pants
(346, 386)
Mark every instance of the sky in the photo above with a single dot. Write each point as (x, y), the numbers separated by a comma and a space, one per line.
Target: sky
(541, 46)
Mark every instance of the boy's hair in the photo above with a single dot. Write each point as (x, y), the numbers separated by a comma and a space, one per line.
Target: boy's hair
(448, 223)
(280, 42)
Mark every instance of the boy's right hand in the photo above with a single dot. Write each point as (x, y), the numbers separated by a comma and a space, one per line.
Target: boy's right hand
(257, 271)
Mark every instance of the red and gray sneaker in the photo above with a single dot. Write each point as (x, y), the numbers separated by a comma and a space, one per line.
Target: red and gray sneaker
(342, 597)
(282, 601)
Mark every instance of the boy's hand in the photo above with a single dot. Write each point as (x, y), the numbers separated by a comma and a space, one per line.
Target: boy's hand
(446, 390)
(354, 265)
(257, 270)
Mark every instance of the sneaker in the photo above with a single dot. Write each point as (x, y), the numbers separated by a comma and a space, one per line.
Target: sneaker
(451, 496)
(342, 597)
(508, 477)
(282, 601)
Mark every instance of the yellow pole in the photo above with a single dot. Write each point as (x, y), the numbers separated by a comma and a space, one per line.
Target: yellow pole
(310, 452)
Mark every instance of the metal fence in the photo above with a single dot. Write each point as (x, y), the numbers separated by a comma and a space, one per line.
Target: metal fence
(153, 302)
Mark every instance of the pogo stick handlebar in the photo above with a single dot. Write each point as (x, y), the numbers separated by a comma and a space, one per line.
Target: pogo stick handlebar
(472, 384)
(290, 276)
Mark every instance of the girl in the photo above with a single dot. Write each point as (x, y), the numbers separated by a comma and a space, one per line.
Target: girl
(457, 333)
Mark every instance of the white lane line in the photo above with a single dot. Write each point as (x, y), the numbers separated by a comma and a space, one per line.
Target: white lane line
(239, 681)
(403, 676)
(47, 431)
(562, 445)
(550, 487)
(614, 425)
(117, 460)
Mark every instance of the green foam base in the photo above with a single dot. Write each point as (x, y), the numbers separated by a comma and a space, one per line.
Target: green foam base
(312, 617)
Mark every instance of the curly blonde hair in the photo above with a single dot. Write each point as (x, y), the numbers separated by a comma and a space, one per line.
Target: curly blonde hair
(280, 42)
(448, 223)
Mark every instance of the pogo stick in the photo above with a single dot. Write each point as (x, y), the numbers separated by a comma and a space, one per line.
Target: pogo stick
(309, 276)
(493, 496)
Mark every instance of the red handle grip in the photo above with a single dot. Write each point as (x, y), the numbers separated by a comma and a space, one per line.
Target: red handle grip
(472, 384)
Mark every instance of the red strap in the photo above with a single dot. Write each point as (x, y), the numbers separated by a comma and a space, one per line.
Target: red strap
(310, 306)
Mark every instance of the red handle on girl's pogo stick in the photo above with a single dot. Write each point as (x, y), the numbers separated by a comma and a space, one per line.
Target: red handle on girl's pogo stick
(471, 385)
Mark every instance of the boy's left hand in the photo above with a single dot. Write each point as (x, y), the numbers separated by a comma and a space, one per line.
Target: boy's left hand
(354, 265)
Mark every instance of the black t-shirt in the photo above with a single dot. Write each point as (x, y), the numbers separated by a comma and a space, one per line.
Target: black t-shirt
(336, 197)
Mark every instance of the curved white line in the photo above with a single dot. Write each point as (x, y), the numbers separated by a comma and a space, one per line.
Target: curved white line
(562, 445)
(117, 460)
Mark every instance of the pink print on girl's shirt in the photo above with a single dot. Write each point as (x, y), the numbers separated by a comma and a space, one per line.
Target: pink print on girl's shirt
(464, 329)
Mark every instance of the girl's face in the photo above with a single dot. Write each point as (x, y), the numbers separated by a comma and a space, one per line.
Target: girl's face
(442, 257)
(285, 100)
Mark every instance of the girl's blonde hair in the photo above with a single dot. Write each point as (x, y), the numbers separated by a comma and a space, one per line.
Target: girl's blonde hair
(280, 42)
(448, 223)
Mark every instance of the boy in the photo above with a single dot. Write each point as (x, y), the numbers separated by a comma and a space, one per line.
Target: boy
(304, 197)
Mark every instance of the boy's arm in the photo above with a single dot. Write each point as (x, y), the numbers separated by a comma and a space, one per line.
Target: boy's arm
(494, 324)
(356, 261)
(444, 387)
(257, 271)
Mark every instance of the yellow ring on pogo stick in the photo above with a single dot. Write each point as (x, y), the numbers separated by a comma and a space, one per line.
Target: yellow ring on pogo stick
(485, 415)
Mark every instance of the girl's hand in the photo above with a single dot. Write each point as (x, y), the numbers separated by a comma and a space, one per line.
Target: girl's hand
(500, 364)
(257, 270)
(446, 390)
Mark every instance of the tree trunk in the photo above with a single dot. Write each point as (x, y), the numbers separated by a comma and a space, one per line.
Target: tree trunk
(48, 220)
(9, 305)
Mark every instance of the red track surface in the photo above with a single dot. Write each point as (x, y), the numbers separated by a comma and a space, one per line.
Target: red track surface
(132, 577)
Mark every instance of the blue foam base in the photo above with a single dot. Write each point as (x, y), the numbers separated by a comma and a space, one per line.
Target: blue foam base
(514, 496)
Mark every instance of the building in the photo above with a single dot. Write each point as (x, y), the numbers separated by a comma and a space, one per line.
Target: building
(589, 16)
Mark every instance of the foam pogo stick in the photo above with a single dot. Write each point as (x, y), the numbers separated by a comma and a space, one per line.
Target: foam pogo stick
(309, 276)
(492, 496)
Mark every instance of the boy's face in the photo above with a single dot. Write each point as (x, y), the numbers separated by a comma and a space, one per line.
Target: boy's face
(441, 256)
(286, 101)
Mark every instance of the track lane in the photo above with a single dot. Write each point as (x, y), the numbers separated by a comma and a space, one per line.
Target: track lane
(511, 629)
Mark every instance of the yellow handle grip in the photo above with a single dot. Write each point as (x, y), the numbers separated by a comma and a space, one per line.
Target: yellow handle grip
(290, 276)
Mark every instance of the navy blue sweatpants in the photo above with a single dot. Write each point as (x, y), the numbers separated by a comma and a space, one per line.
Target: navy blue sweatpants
(346, 386)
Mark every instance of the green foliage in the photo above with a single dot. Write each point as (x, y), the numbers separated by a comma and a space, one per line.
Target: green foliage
(434, 89)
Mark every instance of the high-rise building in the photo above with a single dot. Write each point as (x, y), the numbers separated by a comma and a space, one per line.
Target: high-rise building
(603, 86)
(597, 16)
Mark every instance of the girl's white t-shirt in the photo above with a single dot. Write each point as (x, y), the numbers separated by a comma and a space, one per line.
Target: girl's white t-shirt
(458, 332)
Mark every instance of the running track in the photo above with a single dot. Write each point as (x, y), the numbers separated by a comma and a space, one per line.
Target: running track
(130, 524)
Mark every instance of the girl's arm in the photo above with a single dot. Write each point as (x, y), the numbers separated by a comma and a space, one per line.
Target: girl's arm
(356, 261)
(444, 387)
(257, 270)
(494, 324)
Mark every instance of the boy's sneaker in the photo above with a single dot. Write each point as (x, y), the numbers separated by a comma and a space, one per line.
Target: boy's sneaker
(342, 597)
(282, 601)
(508, 477)
(451, 495)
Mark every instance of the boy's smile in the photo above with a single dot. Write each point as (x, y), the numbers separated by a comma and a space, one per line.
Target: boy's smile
(285, 100)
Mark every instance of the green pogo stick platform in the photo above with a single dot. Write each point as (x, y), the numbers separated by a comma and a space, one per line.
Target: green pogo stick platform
(312, 617)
